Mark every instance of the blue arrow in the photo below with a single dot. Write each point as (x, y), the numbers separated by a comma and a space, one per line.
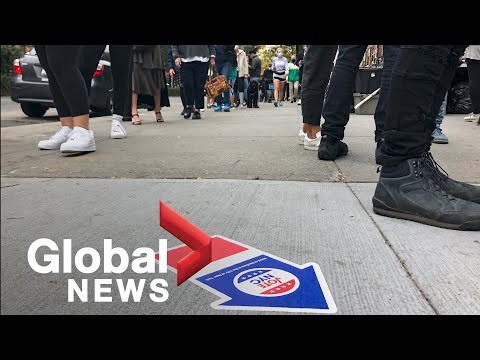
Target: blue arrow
(308, 294)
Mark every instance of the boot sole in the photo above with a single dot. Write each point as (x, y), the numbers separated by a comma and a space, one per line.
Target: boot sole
(328, 156)
(475, 225)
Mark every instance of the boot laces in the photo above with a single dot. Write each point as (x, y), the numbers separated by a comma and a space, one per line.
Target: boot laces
(432, 175)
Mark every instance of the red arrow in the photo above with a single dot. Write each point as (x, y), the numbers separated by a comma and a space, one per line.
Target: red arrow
(193, 237)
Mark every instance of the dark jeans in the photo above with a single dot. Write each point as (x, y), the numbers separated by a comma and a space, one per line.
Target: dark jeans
(473, 67)
(194, 76)
(420, 78)
(121, 63)
(66, 83)
(317, 66)
(336, 111)
(224, 69)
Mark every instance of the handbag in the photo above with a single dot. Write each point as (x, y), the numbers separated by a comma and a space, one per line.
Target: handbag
(177, 80)
(217, 85)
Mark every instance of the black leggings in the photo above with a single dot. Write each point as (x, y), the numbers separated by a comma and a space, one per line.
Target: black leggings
(473, 67)
(121, 62)
(67, 86)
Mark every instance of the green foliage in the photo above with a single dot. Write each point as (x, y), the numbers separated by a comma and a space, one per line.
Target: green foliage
(268, 52)
(8, 54)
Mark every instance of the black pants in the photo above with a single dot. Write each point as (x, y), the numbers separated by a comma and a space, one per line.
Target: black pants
(336, 111)
(66, 83)
(194, 76)
(317, 66)
(121, 62)
(420, 78)
(182, 97)
(473, 67)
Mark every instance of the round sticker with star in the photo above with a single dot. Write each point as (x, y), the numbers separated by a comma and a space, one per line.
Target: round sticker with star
(266, 282)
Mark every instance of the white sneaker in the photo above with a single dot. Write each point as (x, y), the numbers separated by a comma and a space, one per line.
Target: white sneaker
(469, 117)
(80, 140)
(117, 132)
(299, 102)
(301, 137)
(56, 140)
(281, 103)
(312, 144)
(202, 110)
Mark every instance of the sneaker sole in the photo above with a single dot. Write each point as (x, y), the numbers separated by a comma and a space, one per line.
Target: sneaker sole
(468, 226)
(312, 148)
(440, 141)
(73, 150)
(49, 148)
(118, 136)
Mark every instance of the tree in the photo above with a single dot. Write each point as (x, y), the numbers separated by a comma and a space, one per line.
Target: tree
(268, 52)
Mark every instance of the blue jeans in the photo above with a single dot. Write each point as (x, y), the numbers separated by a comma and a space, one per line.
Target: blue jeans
(224, 69)
(245, 88)
(441, 113)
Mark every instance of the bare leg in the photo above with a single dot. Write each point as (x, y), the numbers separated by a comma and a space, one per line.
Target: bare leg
(67, 121)
(280, 90)
(158, 108)
(135, 119)
(81, 121)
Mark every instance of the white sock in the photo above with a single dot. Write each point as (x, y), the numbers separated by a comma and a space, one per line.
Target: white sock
(117, 117)
(242, 97)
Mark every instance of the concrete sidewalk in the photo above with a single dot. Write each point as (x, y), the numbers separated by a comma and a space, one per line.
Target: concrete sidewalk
(372, 264)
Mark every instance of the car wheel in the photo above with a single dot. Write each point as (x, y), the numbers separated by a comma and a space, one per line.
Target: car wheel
(33, 110)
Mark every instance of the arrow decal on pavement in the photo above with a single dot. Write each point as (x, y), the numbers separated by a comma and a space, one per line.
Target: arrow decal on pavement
(243, 277)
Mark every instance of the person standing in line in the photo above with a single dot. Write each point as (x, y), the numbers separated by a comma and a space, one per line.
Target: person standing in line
(121, 64)
(255, 69)
(293, 78)
(194, 60)
(279, 67)
(223, 63)
(300, 57)
(472, 58)
(70, 96)
(242, 74)
(176, 76)
(336, 110)
(318, 63)
(412, 185)
(148, 79)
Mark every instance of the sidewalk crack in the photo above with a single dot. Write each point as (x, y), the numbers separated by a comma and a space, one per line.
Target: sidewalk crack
(397, 255)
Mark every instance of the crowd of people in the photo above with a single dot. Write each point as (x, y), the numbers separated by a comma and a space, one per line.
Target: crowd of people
(408, 117)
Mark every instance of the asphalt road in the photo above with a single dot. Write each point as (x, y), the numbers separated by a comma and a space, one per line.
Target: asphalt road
(12, 115)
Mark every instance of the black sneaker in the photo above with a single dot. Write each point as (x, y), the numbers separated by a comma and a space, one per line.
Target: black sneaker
(378, 152)
(187, 113)
(410, 191)
(457, 189)
(276, 104)
(330, 149)
(196, 115)
(183, 112)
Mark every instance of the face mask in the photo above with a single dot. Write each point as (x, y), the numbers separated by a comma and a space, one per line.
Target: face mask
(279, 54)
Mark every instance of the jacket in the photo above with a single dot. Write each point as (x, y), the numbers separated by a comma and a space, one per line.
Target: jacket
(170, 63)
(224, 53)
(256, 67)
(186, 51)
(242, 63)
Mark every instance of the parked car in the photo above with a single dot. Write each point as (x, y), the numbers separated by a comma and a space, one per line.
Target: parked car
(29, 86)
